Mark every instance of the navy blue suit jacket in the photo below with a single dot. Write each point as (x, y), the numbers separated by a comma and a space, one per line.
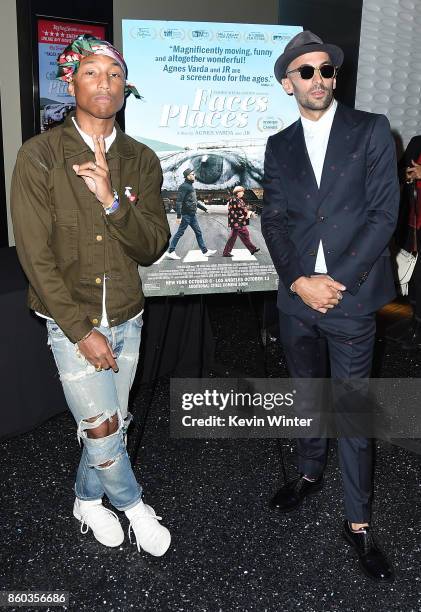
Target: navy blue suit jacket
(354, 212)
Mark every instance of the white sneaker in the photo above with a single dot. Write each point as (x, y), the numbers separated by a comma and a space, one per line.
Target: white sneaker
(172, 255)
(150, 535)
(209, 253)
(103, 522)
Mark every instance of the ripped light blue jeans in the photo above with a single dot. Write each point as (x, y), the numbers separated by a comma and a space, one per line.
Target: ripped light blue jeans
(102, 394)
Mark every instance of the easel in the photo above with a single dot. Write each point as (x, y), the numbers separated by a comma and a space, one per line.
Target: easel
(262, 338)
(260, 334)
(156, 365)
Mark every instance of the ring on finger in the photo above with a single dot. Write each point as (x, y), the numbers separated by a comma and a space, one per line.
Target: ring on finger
(98, 368)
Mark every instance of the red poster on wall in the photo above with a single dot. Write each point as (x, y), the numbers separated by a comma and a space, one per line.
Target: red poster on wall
(53, 36)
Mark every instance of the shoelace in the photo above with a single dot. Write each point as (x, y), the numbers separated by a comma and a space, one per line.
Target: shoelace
(301, 482)
(369, 542)
(142, 516)
(368, 539)
(85, 523)
(299, 485)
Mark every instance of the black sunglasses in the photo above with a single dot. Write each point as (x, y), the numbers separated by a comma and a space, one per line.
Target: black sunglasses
(327, 71)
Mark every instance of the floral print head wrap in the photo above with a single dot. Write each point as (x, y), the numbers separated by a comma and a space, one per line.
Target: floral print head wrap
(84, 45)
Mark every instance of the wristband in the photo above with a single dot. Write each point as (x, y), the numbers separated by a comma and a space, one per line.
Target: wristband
(114, 205)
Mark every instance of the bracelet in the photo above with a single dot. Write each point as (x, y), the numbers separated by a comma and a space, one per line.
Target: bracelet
(87, 335)
(114, 205)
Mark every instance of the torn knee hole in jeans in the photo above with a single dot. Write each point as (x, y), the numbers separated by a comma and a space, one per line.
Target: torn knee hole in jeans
(107, 464)
(95, 418)
(95, 421)
(91, 423)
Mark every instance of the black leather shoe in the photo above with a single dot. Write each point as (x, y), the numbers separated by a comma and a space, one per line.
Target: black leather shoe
(227, 255)
(291, 496)
(411, 340)
(373, 561)
(255, 251)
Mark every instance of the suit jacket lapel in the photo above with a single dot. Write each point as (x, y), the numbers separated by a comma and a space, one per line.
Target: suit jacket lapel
(336, 152)
(299, 160)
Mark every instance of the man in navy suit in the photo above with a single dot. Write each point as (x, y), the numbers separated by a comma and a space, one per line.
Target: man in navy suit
(330, 208)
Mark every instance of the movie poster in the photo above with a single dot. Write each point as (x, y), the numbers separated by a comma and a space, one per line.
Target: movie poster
(53, 36)
(210, 102)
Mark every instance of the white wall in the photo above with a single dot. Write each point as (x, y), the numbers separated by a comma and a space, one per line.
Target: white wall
(10, 94)
(389, 74)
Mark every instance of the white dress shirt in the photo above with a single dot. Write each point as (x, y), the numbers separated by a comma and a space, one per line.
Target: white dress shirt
(316, 136)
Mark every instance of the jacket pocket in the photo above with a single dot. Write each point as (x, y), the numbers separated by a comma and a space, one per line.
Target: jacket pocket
(65, 235)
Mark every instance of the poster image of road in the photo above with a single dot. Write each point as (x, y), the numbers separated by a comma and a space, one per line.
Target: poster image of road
(53, 36)
(210, 101)
(196, 273)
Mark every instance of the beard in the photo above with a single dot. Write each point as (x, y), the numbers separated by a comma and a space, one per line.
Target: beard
(312, 104)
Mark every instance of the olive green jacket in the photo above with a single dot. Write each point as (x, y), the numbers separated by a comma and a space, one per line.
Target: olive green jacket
(66, 242)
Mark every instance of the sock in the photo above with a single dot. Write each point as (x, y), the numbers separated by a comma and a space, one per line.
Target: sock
(360, 530)
(129, 513)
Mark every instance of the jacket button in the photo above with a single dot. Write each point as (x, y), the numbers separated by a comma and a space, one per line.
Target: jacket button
(321, 218)
(95, 321)
(98, 280)
(99, 238)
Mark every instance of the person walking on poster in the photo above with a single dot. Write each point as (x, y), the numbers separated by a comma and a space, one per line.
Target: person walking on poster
(186, 207)
(238, 216)
(80, 238)
(331, 200)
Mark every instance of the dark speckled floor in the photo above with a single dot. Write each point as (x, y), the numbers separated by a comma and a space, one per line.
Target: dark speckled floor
(229, 551)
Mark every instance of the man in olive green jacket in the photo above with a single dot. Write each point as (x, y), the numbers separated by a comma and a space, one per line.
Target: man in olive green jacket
(86, 210)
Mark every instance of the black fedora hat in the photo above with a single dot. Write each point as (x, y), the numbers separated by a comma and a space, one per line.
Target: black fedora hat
(305, 42)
